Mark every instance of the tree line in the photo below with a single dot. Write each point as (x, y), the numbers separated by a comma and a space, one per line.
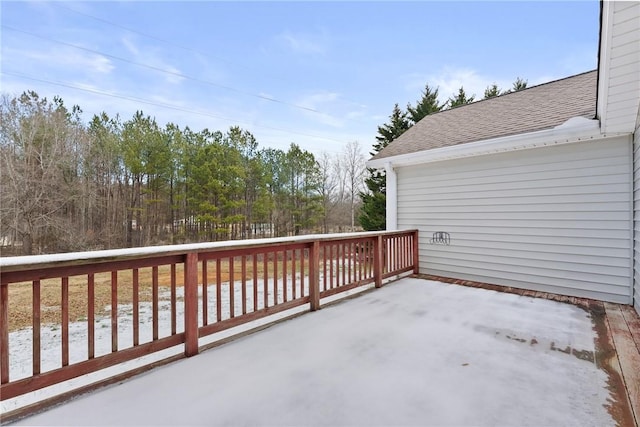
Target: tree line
(373, 210)
(69, 185)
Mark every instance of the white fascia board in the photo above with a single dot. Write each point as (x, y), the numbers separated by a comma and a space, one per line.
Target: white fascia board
(576, 129)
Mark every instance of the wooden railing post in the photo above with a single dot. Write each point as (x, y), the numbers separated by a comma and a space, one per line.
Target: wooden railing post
(314, 275)
(191, 304)
(378, 261)
(416, 258)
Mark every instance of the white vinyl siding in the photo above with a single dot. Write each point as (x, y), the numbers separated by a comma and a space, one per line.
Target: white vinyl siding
(554, 219)
(636, 214)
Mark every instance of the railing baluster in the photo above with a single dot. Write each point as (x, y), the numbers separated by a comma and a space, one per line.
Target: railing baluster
(408, 251)
(244, 284)
(232, 293)
(284, 274)
(174, 298)
(294, 258)
(36, 326)
(404, 250)
(331, 266)
(91, 316)
(367, 259)
(265, 274)
(351, 258)
(387, 254)
(218, 290)
(302, 251)
(136, 307)
(275, 278)
(156, 303)
(372, 254)
(65, 321)
(255, 282)
(205, 297)
(324, 267)
(114, 311)
(314, 275)
(362, 260)
(344, 270)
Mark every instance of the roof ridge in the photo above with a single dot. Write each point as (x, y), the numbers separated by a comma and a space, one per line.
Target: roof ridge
(517, 91)
(535, 108)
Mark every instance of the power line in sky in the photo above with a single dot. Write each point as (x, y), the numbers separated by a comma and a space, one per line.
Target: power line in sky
(162, 70)
(162, 105)
(63, 5)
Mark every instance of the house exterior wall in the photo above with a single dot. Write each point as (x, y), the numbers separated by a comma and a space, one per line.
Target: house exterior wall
(620, 67)
(554, 219)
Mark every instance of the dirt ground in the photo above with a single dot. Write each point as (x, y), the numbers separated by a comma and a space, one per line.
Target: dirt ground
(21, 294)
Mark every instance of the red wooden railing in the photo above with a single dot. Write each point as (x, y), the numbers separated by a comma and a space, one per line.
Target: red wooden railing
(217, 286)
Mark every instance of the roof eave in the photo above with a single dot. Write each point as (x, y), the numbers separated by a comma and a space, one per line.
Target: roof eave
(573, 130)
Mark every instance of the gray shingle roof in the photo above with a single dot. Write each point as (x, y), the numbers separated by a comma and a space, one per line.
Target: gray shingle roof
(536, 108)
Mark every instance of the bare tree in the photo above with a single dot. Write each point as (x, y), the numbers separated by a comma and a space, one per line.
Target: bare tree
(354, 169)
(39, 172)
(327, 188)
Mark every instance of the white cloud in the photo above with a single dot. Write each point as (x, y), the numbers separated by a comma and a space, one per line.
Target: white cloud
(322, 102)
(173, 76)
(65, 57)
(130, 46)
(304, 43)
(318, 99)
(153, 58)
(101, 64)
(449, 80)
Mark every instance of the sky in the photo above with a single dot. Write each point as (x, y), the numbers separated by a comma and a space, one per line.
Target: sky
(318, 74)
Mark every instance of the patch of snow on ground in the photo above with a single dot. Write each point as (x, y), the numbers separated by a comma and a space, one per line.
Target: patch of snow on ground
(415, 352)
(20, 342)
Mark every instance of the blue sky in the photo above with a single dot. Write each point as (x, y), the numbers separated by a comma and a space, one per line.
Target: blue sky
(319, 74)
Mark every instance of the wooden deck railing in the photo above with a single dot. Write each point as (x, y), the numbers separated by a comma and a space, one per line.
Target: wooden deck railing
(150, 299)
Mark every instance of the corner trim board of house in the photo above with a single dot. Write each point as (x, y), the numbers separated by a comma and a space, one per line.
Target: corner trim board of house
(391, 197)
(604, 61)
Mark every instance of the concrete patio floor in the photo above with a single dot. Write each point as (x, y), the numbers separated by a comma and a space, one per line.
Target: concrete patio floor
(416, 352)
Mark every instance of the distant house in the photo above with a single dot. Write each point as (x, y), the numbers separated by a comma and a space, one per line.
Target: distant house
(537, 189)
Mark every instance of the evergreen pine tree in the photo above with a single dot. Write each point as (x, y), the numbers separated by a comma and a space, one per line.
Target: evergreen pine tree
(519, 84)
(373, 213)
(428, 104)
(461, 99)
(492, 91)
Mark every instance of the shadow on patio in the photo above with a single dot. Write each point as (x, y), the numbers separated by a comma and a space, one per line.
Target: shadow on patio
(415, 352)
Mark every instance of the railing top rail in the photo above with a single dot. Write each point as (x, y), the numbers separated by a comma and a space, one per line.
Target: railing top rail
(33, 262)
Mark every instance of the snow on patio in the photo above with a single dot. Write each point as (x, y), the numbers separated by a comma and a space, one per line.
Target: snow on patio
(415, 352)
(20, 341)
